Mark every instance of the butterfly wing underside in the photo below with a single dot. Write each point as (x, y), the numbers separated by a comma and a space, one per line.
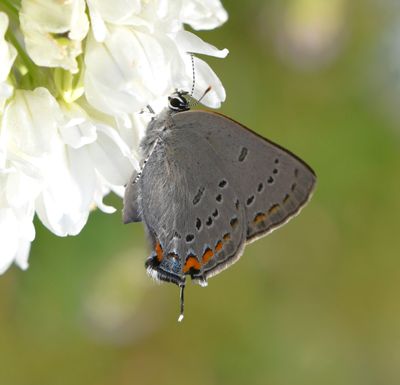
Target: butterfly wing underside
(190, 207)
(274, 183)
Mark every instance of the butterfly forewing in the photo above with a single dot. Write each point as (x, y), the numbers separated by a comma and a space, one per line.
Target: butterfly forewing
(190, 206)
(274, 183)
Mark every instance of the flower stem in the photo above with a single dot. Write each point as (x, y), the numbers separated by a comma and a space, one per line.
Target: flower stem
(12, 11)
(27, 74)
(23, 56)
(10, 7)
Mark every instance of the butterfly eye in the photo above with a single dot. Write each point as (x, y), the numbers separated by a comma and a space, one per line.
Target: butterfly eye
(178, 103)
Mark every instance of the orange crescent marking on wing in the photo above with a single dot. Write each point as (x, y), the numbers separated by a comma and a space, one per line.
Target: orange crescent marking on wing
(159, 252)
(191, 262)
(259, 218)
(226, 237)
(208, 254)
(273, 209)
(218, 246)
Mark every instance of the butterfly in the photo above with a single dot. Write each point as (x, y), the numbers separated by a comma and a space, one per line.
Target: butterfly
(207, 187)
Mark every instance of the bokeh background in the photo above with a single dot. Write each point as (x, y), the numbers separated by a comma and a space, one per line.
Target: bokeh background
(316, 302)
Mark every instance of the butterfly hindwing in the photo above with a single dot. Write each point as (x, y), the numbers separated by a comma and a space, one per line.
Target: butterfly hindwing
(274, 183)
(191, 208)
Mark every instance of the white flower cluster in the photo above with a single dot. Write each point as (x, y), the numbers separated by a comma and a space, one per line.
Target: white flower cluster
(74, 75)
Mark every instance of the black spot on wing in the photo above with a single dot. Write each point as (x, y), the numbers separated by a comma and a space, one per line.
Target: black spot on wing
(250, 200)
(198, 196)
(198, 224)
(189, 238)
(243, 154)
(222, 183)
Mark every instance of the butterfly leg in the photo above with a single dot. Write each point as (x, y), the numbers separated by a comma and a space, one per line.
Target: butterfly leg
(149, 108)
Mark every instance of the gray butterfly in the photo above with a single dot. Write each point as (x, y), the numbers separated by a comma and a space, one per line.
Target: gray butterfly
(209, 186)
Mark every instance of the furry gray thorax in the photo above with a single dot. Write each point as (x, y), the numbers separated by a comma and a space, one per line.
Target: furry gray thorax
(157, 129)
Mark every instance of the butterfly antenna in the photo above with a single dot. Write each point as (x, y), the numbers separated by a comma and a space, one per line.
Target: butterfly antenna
(182, 301)
(202, 96)
(193, 75)
(194, 83)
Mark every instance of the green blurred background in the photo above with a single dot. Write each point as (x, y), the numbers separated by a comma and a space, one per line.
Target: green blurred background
(316, 302)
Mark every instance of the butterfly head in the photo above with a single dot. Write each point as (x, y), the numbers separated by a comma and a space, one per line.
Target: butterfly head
(177, 102)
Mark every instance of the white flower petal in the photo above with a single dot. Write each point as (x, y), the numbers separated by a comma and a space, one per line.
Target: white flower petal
(98, 25)
(53, 31)
(115, 11)
(16, 233)
(6, 91)
(78, 21)
(78, 130)
(3, 158)
(7, 57)
(189, 42)
(206, 77)
(102, 191)
(123, 148)
(103, 207)
(118, 190)
(83, 175)
(78, 133)
(25, 217)
(30, 121)
(73, 174)
(180, 59)
(61, 223)
(22, 255)
(112, 157)
(7, 52)
(64, 204)
(203, 14)
(125, 72)
(8, 238)
(151, 15)
(21, 189)
(26, 164)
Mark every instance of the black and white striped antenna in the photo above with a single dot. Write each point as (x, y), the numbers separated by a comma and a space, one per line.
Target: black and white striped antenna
(193, 75)
(196, 101)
